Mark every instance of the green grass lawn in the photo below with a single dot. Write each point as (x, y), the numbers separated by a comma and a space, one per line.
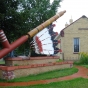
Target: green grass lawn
(75, 83)
(46, 75)
(85, 66)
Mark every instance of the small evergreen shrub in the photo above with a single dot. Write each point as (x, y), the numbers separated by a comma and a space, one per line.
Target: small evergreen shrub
(83, 57)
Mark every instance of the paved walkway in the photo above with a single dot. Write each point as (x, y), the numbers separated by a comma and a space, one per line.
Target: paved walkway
(83, 72)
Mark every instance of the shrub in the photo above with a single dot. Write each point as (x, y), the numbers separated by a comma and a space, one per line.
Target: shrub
(83, 57)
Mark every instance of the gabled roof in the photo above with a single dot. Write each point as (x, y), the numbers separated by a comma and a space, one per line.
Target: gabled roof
(70, 25)
(75, 21)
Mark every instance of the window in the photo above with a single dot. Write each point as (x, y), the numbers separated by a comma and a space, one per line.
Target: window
(76, 44)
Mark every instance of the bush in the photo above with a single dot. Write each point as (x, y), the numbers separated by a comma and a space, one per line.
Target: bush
(83, 58)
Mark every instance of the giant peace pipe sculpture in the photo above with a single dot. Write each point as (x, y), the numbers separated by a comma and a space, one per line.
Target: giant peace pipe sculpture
(7, 48)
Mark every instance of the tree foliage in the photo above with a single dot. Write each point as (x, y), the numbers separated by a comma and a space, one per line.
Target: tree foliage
(17, 17)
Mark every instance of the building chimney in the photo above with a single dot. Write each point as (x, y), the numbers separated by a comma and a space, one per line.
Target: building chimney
(66, 24)
(71, 20)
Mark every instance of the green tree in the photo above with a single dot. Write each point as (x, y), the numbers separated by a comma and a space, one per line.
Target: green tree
(17, 17)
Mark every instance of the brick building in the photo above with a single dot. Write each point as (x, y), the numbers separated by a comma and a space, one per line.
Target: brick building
(74, 39)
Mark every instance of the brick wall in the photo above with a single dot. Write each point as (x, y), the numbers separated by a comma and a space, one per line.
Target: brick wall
(71, 32)
(37, 70)
(10, 72)
(33, 60)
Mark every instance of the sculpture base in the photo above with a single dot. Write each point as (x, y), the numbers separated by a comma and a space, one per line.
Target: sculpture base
(22, 60)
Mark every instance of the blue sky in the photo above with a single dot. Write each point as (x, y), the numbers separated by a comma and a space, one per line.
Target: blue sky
(74, 9)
